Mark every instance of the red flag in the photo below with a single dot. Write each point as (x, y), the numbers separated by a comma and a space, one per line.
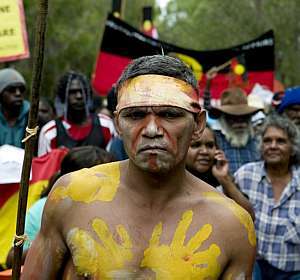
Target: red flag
(121, 43)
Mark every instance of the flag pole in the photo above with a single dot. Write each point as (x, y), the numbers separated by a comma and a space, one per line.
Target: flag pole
(30, 138)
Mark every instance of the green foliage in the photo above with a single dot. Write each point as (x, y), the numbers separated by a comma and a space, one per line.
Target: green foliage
(74, 32)
(75, 28)
(133, 11)
(216, 24)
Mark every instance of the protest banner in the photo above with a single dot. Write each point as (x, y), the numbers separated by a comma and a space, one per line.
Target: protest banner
(245, 64)
(13, 35)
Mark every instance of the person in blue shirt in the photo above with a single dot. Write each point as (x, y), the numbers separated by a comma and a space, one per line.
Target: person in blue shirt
(233, 129)
(13, 108)
(273, 188)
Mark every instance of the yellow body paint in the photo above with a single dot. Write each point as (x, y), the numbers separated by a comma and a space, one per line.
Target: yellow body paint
(99, 183)
(229, 277)
(179, 261)
(100, 260)
(238, 211)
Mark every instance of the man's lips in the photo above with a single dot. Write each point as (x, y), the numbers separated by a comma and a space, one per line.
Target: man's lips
(152, 148)
(17, 101)
(78, 104)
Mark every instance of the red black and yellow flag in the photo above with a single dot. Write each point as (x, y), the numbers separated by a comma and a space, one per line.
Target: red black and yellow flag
(42, 169)
(121, 43)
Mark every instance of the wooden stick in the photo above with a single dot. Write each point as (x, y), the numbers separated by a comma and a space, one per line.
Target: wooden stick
(31, 131)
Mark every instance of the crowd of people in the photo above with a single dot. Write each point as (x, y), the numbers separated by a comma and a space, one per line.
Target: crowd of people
(174, 196)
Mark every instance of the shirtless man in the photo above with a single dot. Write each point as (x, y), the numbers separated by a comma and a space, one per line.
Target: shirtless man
(146, 217)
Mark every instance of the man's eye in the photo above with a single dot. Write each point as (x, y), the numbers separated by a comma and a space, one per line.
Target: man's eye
(136, 115)
(74, 91)
(169, 114)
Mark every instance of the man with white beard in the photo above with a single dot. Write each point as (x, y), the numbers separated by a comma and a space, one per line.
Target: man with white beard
(234, 133)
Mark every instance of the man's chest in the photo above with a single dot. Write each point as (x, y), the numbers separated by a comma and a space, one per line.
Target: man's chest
(113, 244)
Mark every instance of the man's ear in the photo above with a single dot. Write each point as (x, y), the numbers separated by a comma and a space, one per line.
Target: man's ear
(117, 125)
(200, 122)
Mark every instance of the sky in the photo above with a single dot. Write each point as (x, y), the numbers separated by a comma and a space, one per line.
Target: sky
(162, 3)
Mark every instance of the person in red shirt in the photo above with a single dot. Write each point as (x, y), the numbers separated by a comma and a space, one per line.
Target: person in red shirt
(77, 126)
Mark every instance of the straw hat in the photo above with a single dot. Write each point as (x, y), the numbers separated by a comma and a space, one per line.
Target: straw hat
(233, 102)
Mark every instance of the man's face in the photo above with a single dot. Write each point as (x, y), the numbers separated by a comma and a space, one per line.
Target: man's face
(236, 129)
(12, 97)
(201, 153)
(156, 138)
(45, 113)
(276, 146)
(239, 124)
(293, 113)
(76, 96)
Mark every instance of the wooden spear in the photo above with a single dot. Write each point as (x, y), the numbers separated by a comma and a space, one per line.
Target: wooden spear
(31, 131)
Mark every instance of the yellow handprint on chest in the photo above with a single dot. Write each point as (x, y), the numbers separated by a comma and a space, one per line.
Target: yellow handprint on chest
(180, 261)
(101, 260)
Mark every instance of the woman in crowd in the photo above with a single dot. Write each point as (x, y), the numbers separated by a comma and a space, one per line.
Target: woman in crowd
(208, 163)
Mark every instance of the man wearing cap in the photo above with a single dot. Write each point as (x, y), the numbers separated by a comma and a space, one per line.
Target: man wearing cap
(13, 108)
(145, 217)
(290, 105)
(233, 133)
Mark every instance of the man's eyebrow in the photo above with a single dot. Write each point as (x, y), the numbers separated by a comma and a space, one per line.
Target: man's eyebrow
(171, 109)
(134, 109)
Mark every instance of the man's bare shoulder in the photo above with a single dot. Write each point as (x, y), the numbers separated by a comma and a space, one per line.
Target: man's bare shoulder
(99, 183)
(225, 213)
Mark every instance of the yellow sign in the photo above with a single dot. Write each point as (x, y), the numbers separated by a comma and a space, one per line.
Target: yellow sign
(13, 35)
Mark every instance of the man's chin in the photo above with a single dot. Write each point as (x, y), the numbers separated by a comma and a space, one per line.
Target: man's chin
(240, 131)
(154, 165)
(239, 139)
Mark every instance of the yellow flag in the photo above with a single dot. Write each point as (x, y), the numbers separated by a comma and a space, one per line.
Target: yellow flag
(13, 35)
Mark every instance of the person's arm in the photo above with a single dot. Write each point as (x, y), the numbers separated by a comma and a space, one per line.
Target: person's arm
(44, 144)
(221, 171)
(47, 253)
(32, 227)
(241, 262)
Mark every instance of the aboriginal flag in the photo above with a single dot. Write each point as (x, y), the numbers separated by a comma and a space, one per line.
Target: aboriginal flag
(42, 169)
(121, 43)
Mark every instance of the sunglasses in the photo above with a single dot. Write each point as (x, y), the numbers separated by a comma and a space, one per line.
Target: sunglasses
(13, 89)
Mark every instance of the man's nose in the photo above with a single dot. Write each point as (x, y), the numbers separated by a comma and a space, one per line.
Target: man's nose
(17, 92)
(152, 128)
(78, 94)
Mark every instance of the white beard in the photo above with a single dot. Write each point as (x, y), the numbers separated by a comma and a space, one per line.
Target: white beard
(236, 140)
